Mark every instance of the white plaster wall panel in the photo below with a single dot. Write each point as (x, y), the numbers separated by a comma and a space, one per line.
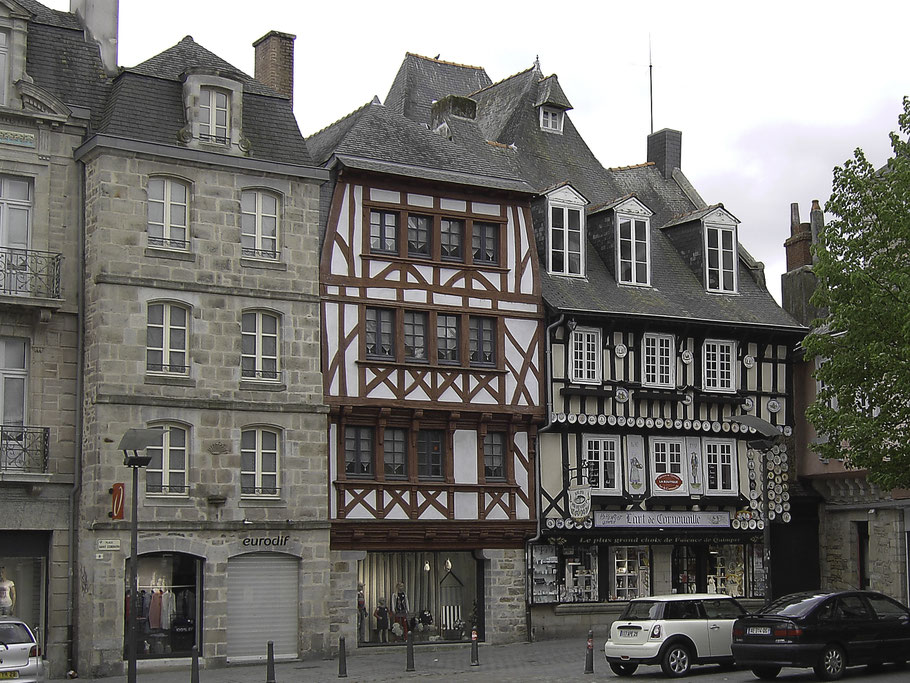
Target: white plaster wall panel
(420, 200)
(480, 303)
(380, 270)
(332, 290)
(387, 196)
(431, 512)
(333, 471)
(527, 277)
(522, 511)
(446, 299)
(352, 291)
(331, 321)
(518, 307)
(418, 296)
(351, 385)
(360, 511)
(558, 361)
(511, 258)
(767, 374)
(496, 512)
(453, 205)
(465, 445)
(413, 390)
(694, 455)
(482, 396)
(356, 231)
(381, 390)
(382, 293)
(421, 274)
(339, 264)
(450, 395)
(397, 511)
(465, 505)
(486, 209)
(521, 474)
(523, 332)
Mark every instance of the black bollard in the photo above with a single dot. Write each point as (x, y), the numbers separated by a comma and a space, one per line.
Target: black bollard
(475, 660)
(270, 668)
(194, 671)
(589, 656)
(410, 665)
(342, 659)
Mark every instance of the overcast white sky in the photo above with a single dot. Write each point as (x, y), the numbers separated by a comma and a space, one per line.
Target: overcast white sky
(769, 96)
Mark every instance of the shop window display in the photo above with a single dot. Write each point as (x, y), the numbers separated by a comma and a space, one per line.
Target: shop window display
(631, 572)
(22, 590)
(726, 569)
(433, 595)
(169, 617)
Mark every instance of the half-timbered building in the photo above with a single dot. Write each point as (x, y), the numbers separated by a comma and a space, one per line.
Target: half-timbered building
(432, 359)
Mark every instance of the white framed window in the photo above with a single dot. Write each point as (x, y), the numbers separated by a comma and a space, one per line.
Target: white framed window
(214, 115)
(567, 228)
(586, 355)
(259, 462)
(720, 248)
(634, 250)
(168, 210)
(13, 380)
(15, 227)
(717, 365)
(166, 339)
(259, 224)
(668, 456)
(602, 457)
(259, 345)
(658, 365)
(721, 475)
(669, 469)
(166, 473)
(551, 119)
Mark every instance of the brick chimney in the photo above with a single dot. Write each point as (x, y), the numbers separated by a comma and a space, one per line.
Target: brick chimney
(665, 150)
(802, 236)
(799, 282)
(275, 62)
(100, 18)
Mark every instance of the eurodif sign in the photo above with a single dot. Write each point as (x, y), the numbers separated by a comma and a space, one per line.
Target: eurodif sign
(666, 520)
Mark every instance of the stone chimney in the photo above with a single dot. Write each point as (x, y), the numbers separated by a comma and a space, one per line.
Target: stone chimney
(799, 282)
(800, 240)
(275, 62)
(665, 150)
(100, 19)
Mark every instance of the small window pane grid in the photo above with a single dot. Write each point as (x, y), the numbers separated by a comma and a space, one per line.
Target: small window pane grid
(483, 341)
(485, 243)
(214, 110)
(379, 333)
(259, 462)
(166, 473)
(718, 366)
(167, 214)
(259, 225)
(419, 228)
(633, 251)
(451, 239)
(668, 457)
(166, 337)
(719, 456)
(659, 360)
(565, 240)
(429, 453)
(448, 338)
(395, 453)
(586, 355)
(259, 346)
(415, 336)
(384, 231)
(721, 258)
(601, 459)
(358, 451)
(494, 456)
(551, 119)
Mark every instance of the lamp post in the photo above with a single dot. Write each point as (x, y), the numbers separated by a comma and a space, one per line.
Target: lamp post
(133, 441)
(770, 436)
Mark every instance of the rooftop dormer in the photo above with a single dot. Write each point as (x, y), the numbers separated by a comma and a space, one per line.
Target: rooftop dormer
(213, 101)
(708, 241)
(552, 104)
(565, 231)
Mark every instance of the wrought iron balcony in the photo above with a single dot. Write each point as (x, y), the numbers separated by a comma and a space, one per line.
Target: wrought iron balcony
(24, 450)
(30, 273)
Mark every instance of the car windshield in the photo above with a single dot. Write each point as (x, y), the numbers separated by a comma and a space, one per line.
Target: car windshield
(641, 609)
(797, 605)
(13, 633)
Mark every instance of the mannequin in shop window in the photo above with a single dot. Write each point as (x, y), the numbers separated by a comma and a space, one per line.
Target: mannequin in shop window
(401, 609)
(381, 613)
(361, 612)
(7, 594)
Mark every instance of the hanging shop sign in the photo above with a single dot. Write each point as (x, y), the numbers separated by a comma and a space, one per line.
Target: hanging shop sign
(653, 519)
(580, 503)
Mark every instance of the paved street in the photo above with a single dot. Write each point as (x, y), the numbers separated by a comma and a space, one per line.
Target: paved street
(553, 660)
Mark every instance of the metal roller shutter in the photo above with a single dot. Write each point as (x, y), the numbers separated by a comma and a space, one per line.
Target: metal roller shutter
(262, 594)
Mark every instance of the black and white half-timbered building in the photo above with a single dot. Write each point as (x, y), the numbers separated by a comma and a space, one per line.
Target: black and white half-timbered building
(432, 342)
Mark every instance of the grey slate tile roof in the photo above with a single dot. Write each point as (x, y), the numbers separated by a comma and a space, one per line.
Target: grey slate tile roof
(45, 15)
(549, 92)
(422, 80)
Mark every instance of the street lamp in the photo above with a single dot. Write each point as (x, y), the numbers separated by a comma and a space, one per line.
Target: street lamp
(771, 435)
(133, 441)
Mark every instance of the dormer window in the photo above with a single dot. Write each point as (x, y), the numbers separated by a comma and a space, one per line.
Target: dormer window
(551, 119)
(566, 232)
(214, 115)
(634, 241)
(214, 112)
(720, 248)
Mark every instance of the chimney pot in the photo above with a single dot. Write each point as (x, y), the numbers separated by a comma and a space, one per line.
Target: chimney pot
(275, 62)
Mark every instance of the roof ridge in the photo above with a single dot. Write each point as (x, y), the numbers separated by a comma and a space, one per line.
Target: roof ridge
(507, 78)
(710, 207)
(345, 117)
(626, 168)
(442, 61)
(501, 144)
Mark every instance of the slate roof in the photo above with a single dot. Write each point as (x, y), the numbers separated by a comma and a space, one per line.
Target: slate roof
(421, 80)
(549, 92)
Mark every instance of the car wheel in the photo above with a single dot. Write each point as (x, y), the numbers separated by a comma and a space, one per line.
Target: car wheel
(676, 661)
(766, 673)
(831, 664)
(621, 669)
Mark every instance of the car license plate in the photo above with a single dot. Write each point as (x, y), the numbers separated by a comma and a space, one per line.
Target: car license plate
(8, 675)
(759, 631)
(627, 632)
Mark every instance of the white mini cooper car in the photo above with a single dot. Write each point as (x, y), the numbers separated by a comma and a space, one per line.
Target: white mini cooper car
(675, 631)
(20, 656)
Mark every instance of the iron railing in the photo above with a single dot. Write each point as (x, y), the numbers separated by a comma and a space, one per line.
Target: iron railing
(27, 272)
(24, 449)
(259, 253)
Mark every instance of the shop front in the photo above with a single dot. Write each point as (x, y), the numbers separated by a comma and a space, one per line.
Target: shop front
(23, 578)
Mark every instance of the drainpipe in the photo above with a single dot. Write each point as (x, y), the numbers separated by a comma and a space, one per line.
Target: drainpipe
(550, 330)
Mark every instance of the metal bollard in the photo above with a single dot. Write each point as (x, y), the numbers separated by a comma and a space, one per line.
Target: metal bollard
(194, 671)
(270, 668)
(342, 659)
(589, 655)
(410, 665)
(475, 660)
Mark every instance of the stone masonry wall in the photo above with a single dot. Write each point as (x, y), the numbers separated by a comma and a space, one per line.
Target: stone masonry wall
(505, 595)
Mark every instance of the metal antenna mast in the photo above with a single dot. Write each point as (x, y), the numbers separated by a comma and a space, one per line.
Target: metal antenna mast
(651, 81)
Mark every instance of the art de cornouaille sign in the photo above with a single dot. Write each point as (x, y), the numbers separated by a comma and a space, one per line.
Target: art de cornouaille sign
(667, 520)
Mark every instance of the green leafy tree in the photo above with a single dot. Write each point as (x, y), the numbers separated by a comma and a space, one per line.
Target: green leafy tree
(863, 271)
